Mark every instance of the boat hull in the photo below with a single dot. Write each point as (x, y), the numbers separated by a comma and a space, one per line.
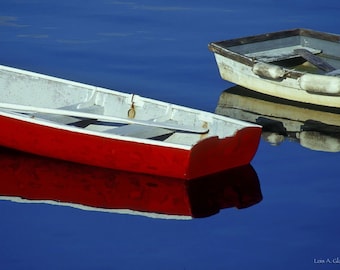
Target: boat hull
(289, 89)
(209, 156)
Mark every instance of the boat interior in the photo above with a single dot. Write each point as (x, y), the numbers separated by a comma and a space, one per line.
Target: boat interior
(280, 49)
(118, 128)
(40, 91)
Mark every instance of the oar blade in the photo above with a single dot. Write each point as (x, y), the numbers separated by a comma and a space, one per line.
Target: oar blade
(315, 60)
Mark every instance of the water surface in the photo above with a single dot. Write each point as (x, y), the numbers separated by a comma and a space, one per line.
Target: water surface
(159, 50)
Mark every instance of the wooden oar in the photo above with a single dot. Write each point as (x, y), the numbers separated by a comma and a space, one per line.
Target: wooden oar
(33, 109)
(315, 60)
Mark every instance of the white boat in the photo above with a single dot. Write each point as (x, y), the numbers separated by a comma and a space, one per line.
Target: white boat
(67, 120)
(301, 65)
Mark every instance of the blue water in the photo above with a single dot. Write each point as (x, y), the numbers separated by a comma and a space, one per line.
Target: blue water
(159, 50)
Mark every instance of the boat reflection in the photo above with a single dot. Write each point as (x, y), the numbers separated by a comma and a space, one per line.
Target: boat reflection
(314, 127)
(29, 178)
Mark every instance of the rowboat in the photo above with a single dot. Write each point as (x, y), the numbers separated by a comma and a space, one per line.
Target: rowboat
(77, 122)
(299, 64)
(314, 127)
(27, 178)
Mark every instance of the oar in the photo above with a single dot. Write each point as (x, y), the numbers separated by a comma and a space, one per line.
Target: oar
(33, 109)
(317, 61)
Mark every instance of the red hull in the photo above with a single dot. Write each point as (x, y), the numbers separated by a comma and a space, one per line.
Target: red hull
(36, 178)
(208, 156)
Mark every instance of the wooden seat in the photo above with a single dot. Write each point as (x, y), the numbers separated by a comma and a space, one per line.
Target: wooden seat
(73, 121)
(141, 131)
(80, 107)
(279, 54)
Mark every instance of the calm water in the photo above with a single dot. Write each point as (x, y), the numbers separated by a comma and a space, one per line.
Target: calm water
(159, 50)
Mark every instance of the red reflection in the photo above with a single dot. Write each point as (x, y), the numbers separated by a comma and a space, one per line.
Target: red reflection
(32, 177)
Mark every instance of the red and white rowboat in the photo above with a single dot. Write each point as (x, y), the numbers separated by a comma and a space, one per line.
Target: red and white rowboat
(72, 121)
